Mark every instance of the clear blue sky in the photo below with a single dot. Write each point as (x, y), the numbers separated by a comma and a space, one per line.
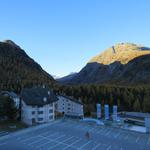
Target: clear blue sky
(62, 35)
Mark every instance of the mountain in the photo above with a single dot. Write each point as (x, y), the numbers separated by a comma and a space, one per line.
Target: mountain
(66, 78)
(18, 69)
(124, 63)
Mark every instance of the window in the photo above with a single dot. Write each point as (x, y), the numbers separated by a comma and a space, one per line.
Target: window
(50, 117)
(68, 104)
(51, 111)
(68, 108)
(40, 112)
(33, 112)
(40, 119)
(40, 107)
(33, 121)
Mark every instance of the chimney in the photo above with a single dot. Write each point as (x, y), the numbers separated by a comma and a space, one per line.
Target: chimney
(45, 99)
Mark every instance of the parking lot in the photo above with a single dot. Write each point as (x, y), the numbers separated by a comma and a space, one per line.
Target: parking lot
(70, 135)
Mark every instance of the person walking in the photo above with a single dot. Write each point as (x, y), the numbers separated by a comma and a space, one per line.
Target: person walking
(87, 135)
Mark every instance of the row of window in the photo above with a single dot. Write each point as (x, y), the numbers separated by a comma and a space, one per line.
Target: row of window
(40, 106)
(67, 108)
(41, 112)
(41, 119)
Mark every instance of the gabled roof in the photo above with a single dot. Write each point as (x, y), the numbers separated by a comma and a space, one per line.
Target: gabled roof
(71, 99)
(38, 96)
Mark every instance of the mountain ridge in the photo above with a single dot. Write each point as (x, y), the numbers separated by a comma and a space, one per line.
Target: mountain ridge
(109, 66)
(120, 52)
(18, 69)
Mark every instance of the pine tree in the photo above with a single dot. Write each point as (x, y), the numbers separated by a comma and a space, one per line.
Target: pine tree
(136, 106)
(146, 104)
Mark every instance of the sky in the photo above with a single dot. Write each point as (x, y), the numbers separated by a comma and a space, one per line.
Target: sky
(63, 35)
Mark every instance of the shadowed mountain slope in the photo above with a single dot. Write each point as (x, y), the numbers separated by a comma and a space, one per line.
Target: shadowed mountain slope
(18, 69)
(123, 63)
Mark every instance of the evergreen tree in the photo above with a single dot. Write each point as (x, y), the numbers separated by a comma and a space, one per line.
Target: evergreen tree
(146, 104)
(7, 108)
(136, 106)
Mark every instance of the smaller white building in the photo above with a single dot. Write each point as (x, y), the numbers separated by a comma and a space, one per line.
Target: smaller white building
(13, 96)
(38, 105)
(69, 106)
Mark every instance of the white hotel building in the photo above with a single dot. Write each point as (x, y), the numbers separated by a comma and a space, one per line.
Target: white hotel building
(69, 106)
(37, 105)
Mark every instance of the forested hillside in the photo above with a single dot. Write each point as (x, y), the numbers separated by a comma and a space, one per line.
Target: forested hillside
(127, 98)
(18, 70)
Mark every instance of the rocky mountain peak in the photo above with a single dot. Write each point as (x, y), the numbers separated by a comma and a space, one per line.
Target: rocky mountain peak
(10, 42)
(122, 52)
(123, 63)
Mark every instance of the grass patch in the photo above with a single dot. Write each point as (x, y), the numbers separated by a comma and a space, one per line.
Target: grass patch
(11, 125)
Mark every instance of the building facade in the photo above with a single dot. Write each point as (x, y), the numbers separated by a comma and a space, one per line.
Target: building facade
(69, 106)
(38, 105)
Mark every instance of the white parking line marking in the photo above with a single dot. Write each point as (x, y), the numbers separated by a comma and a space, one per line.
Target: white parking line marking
(148, 142)
(84, 127)
(66, 124)
(104, 131)
(31, 143)
(50, 134)
(91, 129)
(72, 143)
(45, 133)
(2, 144)
(109, 147)
(126, 137)
(137, 139)
(84, 145)
(24, 136)
(68, 139)
(53, 146)
(28, 138)
(56, 141)
(77, 126)
(96, 146)
(60, 137)
(117, 134)
(107, 133)
(3, 133)
(99, 131)
(39, 146)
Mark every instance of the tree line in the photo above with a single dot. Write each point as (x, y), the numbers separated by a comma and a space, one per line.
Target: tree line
(126, 98)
